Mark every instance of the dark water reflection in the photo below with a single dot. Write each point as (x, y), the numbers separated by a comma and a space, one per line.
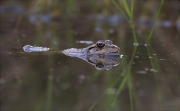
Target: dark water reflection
(51, 80)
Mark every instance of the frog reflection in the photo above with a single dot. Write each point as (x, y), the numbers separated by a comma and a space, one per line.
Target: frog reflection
(103, 62)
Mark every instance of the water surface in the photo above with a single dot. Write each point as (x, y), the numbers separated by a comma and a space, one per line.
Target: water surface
(146, 78)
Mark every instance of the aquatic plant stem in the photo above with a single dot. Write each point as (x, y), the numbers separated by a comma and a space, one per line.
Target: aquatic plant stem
(157, 15)
(119, 9)
(156, 68)
(134, 33)
(49, 92)
(149, 53)
(132, 7)
(130, 89)
(50, 85)
(129, 13)
(126, 78)
(119, 91)
(131, 22)
(126, 7)
(39, 104)
(93, 105)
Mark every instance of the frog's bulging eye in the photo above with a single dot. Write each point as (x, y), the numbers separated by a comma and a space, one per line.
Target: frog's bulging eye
(100, 44)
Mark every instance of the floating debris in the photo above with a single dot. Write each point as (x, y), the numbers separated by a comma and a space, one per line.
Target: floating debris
(145, 45)
(135, 44)
(153, 70)
(29, 48)
(150, 57)
(142, 72)
(136, 56)
(86, 42)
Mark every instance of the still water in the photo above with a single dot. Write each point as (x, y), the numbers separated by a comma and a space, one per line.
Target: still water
(144, 77)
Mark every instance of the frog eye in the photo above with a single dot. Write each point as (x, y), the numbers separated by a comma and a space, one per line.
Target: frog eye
(100, 66)
(100, 44)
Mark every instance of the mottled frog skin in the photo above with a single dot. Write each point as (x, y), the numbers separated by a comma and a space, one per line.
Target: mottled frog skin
(102, 47)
